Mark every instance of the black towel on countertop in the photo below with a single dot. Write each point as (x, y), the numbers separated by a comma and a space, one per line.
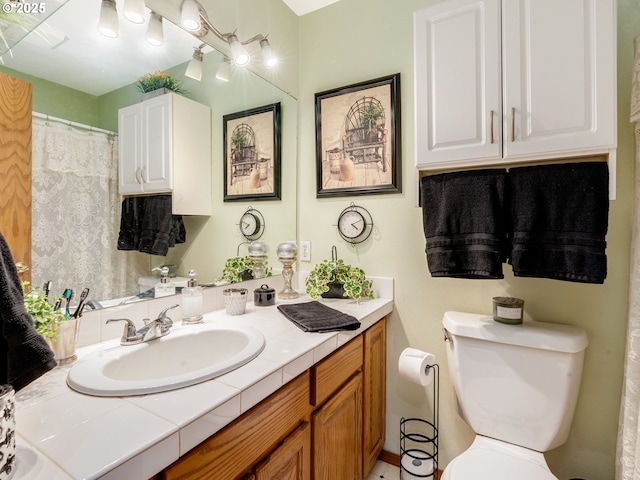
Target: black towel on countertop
(560, 219)
(317, 317)
(148, 225)
(465, 222)
(25, 353)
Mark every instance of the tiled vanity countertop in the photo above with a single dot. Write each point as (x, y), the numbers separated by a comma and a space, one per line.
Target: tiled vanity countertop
(62, 434)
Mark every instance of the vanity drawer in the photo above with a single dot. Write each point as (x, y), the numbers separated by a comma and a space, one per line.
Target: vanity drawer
(329, 374)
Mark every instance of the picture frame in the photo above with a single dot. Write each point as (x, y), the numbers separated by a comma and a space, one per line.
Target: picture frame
(252, 154)
(358, 144)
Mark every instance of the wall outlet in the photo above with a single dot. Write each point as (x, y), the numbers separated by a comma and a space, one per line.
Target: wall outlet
(305, 251)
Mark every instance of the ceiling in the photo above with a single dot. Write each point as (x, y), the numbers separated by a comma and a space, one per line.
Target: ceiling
(69, 38)
(302, 7)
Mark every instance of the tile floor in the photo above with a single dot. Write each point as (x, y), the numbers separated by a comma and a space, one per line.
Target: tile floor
(382, 470)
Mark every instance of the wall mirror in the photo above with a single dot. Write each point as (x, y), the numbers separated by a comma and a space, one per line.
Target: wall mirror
(97, 78)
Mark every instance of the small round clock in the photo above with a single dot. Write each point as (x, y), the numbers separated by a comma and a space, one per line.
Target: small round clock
(355, 224)
(251, 224)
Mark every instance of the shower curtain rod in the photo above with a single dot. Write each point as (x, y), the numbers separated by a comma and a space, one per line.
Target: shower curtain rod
(44, 116)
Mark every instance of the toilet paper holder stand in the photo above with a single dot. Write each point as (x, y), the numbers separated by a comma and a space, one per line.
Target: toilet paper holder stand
(419, 439)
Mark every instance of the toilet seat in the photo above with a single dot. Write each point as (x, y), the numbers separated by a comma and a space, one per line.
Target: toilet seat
(490, 459)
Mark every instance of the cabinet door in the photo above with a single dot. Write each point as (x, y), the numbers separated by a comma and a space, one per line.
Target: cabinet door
(157, 144)
(458, 85)
(337, 434)
(374, 389)
(559, 76)
(291, 461)
(130, 149)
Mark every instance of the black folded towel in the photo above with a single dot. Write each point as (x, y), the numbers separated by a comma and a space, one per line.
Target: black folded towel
(465, 221)
(25, 354)
(317, 317)
(148, 225)
(560, 220)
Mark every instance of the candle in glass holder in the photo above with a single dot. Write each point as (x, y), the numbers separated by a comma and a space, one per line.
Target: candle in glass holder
(287, 250)
(258, 249)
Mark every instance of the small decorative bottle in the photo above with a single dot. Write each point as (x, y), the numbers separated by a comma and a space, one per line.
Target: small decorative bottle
(192, 301)
(165, 286)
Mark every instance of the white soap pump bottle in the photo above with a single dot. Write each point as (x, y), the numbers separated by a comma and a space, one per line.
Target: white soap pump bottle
(165, 286)
(192, 301)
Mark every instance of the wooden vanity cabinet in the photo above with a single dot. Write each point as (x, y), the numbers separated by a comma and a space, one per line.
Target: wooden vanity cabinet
(327, 424)
(374, 404)
(230, 453)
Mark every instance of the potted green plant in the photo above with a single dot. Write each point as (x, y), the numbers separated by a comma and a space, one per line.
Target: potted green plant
(47, 320)
(238, 269)
(150, 82)
(336, 274)
(370, 115)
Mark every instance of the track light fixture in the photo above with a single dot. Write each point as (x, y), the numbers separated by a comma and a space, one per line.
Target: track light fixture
(134, 10)
(268, 56)
(194, 69)
(238, 51)
(108, 24)
(190, 15)
(155, 33)
(238, 48)
(224, 69)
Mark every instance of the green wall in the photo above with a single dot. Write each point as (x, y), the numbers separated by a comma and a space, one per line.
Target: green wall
(356, 40)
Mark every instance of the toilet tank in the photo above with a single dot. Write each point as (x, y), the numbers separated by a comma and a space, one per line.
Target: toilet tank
(516, 383)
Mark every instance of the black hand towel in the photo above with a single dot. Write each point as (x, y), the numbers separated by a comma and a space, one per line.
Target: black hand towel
(560, 220)
(130, 223)
(25, 354)
(148, 225)
(317, 317)
(465, 223)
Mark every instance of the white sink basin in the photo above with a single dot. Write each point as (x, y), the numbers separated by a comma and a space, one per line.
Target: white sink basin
(186, 356)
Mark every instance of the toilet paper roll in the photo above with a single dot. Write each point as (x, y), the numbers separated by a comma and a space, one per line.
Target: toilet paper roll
(413, 364)
(415, 468)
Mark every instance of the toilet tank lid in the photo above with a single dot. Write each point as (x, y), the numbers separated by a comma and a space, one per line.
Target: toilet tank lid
(541, 335)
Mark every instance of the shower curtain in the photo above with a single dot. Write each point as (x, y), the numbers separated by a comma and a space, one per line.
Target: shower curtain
(76, 213)
(628, 454)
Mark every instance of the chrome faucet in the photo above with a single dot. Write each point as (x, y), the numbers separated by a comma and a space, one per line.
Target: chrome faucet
(152, 328)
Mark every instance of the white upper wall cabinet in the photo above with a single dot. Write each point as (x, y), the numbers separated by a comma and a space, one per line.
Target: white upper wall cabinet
(165, 147)
(501, 81)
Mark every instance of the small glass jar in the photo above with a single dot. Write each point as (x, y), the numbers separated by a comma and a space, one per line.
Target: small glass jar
(508, 310)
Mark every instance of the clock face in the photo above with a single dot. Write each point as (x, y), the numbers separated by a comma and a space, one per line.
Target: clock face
(249, 224)
(351, 224)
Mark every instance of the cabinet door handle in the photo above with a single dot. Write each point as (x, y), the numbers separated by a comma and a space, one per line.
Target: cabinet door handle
(143, 173)
(491, 127)
(138, 175)
(513, 124)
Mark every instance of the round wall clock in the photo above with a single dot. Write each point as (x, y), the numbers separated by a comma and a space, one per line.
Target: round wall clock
(355, 224)
(252, 224)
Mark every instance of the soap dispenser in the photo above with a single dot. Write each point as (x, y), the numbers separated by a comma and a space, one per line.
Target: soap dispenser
(165, 286)
(192, 300)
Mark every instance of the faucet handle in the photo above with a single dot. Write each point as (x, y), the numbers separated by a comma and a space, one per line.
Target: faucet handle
(129, 333)
(162, 316)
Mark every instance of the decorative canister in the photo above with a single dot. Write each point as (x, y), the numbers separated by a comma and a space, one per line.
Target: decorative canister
(334, 156)
(264, 296)
(263, 167)
(235, 300)
(508, 310)
(7, 432)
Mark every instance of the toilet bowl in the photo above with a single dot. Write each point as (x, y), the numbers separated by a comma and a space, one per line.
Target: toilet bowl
(490, 459)
(516, 386)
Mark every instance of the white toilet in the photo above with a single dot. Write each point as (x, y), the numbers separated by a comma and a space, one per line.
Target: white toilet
(516, 386)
